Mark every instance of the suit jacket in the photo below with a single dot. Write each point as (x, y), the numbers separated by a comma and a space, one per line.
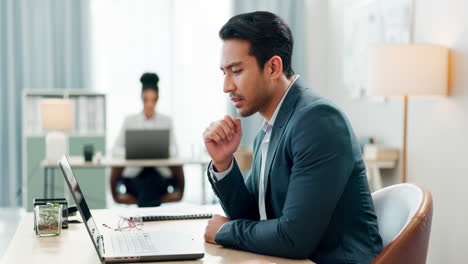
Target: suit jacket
(317, 197)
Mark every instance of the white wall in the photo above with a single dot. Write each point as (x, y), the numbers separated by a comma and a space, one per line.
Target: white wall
(437, 131)
(438, 149)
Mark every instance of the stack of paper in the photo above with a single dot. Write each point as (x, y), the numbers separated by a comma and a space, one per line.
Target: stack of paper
(376, 152)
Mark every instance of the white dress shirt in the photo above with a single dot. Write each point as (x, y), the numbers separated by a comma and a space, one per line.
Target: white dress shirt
(267, 126)
(139, 121)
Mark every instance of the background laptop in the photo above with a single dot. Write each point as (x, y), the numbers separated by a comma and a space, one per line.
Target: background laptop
(147, 144)
(114, 246)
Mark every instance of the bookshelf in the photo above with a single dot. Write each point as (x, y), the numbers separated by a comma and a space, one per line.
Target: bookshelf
(89, 128)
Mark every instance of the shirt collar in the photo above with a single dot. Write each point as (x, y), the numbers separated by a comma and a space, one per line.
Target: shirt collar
(268, 125)
(146, 119)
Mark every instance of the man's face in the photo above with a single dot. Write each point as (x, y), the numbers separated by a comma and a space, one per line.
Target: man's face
(149, 98)
(243, 79)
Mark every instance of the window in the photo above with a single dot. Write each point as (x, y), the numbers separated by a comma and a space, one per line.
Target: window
(176, 39)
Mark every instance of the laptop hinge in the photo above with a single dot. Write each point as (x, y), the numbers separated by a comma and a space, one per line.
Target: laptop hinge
(102, 248)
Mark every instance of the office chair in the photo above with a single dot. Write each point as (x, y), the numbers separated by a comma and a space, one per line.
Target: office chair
(404, 214)
(176, 183)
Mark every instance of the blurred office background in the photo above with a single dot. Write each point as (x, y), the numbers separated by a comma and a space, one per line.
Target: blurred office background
(104, 46)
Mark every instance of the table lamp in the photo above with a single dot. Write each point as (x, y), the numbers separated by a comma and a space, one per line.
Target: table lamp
(406, 70)
(57, 117)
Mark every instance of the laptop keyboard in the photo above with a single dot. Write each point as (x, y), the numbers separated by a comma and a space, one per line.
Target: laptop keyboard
(131, 242)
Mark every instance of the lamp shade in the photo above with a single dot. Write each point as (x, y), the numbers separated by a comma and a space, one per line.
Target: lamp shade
(57, 114)
(408, 70)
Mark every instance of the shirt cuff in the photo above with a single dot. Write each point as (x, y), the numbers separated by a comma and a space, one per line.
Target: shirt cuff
(217, 176)
(221, 227)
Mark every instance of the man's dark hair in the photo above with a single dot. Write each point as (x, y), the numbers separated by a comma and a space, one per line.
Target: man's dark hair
(149, 80)
(267, 33)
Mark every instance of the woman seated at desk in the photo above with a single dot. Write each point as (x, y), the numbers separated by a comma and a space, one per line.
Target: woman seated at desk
(146, 186)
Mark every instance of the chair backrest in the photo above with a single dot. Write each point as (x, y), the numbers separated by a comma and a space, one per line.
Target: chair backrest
(404, 215)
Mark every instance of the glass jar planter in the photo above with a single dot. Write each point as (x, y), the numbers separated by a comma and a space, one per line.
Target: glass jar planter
(48, 219)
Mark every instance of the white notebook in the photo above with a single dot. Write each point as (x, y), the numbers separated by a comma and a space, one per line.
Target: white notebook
(171, 212)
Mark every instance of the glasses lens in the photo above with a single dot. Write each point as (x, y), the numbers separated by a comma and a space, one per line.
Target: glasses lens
(138, 222)
(127, 224)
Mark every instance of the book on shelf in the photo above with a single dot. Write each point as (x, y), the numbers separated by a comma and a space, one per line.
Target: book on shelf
(100, 105)
(89, 114)
(74, 101)
(32, 116)
(377, 152)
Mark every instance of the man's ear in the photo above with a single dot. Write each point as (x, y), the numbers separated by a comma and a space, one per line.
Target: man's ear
(274, 67)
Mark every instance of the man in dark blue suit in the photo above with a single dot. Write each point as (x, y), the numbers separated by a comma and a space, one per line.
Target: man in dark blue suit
(307, 195)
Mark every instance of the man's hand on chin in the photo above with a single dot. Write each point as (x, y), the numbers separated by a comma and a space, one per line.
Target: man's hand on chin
(214, 224)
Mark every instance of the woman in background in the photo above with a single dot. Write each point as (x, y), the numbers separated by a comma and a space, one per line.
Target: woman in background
(146, 186)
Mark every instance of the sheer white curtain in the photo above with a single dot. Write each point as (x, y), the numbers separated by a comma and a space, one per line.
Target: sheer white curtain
(177, 39)
(44, 45)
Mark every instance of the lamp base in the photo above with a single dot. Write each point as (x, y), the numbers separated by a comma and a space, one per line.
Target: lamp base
(56, 145)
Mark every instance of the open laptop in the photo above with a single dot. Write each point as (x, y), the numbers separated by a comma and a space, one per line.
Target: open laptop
(134, 246)
(147, 143)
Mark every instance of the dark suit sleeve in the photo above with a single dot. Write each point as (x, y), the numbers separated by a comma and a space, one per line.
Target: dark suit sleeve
(320, 146)
(236, 196)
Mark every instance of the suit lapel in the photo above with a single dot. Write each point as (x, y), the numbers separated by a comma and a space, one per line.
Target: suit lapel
(284, 114)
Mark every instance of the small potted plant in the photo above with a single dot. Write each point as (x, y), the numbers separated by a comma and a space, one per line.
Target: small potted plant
(48, 219)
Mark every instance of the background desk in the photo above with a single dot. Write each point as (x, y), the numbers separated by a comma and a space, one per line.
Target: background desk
(373, 171)
(73, 245)
(78, 162)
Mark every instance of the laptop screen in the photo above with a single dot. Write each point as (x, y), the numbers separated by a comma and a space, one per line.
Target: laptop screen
(147, 143)
(80, 201)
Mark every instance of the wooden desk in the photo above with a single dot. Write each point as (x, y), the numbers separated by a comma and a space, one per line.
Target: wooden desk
(78, 162)
(73, 245)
